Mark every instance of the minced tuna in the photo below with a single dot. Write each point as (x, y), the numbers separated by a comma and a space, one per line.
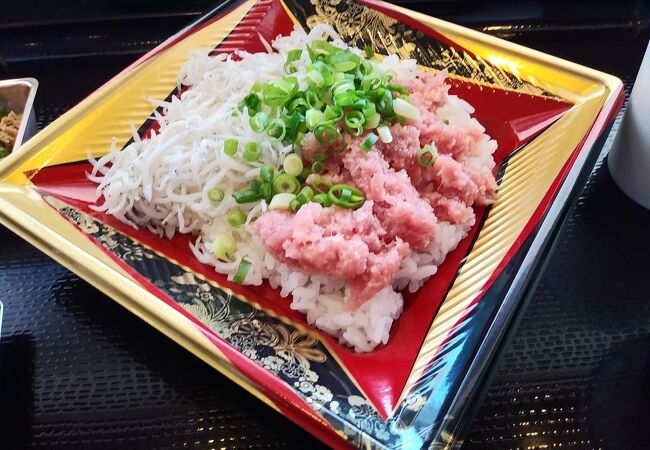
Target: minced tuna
(404, 200)
(338, 242)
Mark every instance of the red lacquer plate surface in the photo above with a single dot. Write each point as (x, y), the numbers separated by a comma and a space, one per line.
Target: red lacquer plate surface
(546, 115)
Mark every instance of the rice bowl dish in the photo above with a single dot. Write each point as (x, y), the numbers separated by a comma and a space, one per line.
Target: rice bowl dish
(341, 177)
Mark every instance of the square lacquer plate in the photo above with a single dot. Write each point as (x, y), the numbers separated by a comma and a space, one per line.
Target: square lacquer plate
(548, 116)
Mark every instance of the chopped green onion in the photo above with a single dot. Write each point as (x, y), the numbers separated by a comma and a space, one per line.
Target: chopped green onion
(216, 194)
(348, 196)
(427, 155)
(372, 81)
(224, 246)
(326, 134)
(321, 48)
(384, 101)
(344, 61)
(277, 129)
(313, 118)
(373, 122)
(303, 175)
(401, 90)
(292, 165)
(266, 191)
(252, 102)
(247, 196)
(333, 113)
(236, 218)
(368, 51)
(286, 183)
(315, 78)
(369, 110)
(230, 146)
(322, 199)
(242, 271)
(299, 137)
(3, 152)
(405, 109)
(299, 104)
(385, 134)
(287, 84)
(294, 205)
(257, 87)
(259, 122)
(292, 56)
(318, 183)
(274, 96)
(342, 86)
(345, 99)
(354, 120)
(312, 99)
(305, 194)
(267, 173)
(317, 167)
(320, 157)
(365, 67)
(252, 151)
(281, 200)
(369, 142)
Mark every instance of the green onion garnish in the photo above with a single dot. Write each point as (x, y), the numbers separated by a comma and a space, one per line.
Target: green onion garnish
(259, 122)
(3, 152)
(369, 142)
(322, 199)
(313, 118)
(354, 120)
(267, 173)
(345, 92)
(303, 175)
(224, 246)
(427, 156)
(326, 134)
(242, 271)
(247, 196)
(305, 194)
(286, 183)
(252, 102)
(216, 194)
(317, 167)
(292, 56)
(282, 201)
(277, 129)
(230, 146)
(294, 205)
(236, 218)
(346, 196)
(266, 191)
(292, 165)
(405, 109)
(320, 157)
(252, 151)
(320, 183)
(385, 134)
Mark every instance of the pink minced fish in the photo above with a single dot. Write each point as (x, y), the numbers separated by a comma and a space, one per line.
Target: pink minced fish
(338, 242)
(404, 203)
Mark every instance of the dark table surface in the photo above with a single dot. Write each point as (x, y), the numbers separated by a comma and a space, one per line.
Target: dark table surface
(78, 371)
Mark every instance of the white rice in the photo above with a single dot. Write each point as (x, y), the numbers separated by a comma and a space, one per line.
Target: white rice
(162, 182)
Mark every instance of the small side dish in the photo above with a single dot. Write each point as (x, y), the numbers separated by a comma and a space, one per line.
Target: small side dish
(9, 127)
